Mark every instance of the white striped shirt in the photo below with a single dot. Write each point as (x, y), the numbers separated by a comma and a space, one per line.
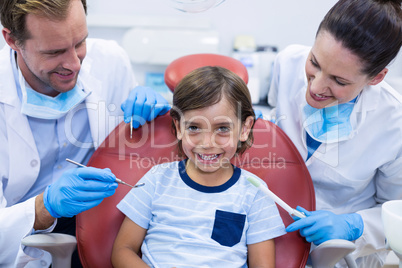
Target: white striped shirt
(191, 225)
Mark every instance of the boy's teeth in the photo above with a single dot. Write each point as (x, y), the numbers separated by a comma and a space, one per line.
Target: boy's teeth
(208, 157)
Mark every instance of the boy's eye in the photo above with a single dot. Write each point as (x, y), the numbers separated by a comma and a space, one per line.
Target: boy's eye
(223, 129)
(193, 129)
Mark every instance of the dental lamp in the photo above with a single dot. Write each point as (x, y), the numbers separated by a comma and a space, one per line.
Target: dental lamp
(392, 220)
(195, 6)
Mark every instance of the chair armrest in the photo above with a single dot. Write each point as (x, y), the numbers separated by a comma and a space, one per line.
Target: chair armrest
(327, 254)
(60, 246)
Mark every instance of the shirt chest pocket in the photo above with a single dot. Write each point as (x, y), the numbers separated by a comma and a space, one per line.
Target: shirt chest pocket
(228, 227)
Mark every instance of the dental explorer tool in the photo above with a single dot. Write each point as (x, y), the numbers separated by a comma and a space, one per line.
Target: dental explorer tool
(117, 180)
(131, 128)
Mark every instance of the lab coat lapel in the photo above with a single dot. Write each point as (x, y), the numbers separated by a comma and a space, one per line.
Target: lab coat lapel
(100, 105)
(367, 101)
(92, 102)
(300, 98)
(327, 153)
(96, 108)
(16, 121)
(24, 157)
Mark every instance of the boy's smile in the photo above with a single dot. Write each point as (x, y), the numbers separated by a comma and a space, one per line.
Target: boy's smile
(210, 137)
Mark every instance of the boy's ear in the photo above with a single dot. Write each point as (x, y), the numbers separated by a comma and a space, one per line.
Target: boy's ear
(246, 128)
(179, 134)
(379, 77)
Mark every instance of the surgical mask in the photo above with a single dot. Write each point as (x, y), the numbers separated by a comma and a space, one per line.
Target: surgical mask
(330, 124)
(41, 106)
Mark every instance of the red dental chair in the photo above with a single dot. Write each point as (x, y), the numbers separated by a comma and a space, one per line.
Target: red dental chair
(273, 157)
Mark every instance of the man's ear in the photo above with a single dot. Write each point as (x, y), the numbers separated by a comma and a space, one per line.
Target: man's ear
(179, 134)
(246, 128)
(379, 77)
(9, 39)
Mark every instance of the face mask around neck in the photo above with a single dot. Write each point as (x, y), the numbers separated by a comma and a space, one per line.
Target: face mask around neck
(330, 124)
(41, 106)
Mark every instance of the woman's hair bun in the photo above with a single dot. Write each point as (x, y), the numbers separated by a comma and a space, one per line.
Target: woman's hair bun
(398, 2)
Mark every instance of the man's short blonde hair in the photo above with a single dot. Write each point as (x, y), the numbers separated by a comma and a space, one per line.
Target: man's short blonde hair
(13, 14)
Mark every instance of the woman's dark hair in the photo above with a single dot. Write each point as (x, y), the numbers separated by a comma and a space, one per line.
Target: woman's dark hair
(370, 29)
(205, 87)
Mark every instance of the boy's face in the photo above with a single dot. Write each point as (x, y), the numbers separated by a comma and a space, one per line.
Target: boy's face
(210, 137)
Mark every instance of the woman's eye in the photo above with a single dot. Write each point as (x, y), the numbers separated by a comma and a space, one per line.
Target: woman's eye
(340, 83)
(313, 63)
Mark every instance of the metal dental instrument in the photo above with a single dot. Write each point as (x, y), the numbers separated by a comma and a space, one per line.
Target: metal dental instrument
(131, 128)
(117, 180)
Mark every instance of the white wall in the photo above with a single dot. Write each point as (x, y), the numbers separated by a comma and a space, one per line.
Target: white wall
(277, 23)
(271, 22)
(2, 43)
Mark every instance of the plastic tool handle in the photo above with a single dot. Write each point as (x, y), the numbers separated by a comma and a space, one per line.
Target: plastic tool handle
(277, 200)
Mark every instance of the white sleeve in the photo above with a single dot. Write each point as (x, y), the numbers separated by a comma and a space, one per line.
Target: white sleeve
(16, 223)
(273, 88)
(372, 240)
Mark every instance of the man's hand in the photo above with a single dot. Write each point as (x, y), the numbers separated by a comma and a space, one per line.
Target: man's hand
(78, 190)
(143, 104)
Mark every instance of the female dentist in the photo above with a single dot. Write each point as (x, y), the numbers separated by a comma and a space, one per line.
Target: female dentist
(346, 122)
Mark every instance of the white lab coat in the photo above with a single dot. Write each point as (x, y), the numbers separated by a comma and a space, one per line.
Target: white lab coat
(106, 71)
(356, 175)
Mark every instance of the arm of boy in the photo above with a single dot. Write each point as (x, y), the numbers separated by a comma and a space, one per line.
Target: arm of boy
(261, 255)
(128, 244)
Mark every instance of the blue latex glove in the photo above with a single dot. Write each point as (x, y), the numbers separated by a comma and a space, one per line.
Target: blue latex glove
(143, 104)
(320, 226)
(258, 114)
(78, 190)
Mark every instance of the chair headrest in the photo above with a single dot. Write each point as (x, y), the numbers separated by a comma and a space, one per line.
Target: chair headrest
(182, 66)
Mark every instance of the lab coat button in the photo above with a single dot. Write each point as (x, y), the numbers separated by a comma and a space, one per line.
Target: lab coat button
(34, 163)
(59, 166)
(43, 263)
